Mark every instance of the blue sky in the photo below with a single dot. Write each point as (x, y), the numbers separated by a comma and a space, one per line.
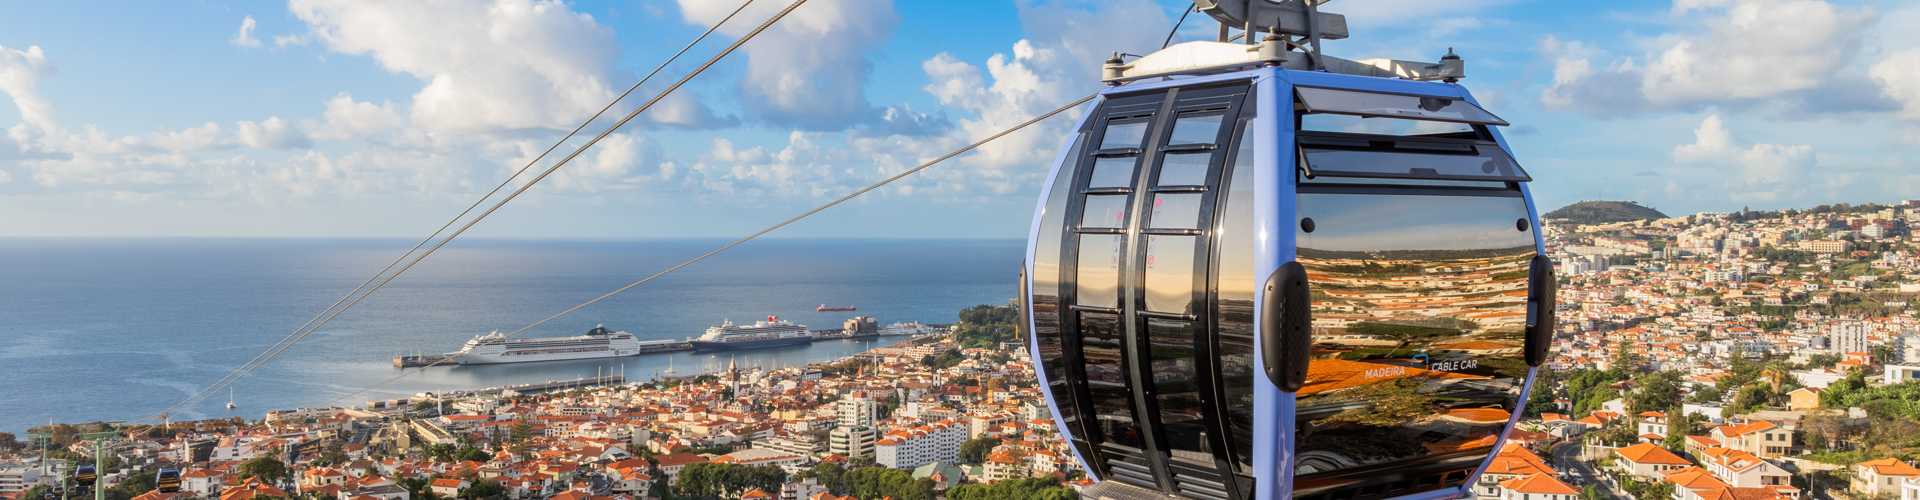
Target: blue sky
(376, 118)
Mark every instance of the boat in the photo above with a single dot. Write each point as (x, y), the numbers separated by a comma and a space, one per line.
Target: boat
(230, 397)
(769, 333)
(495, 348)
(904, 329)
(669, 369)
(824, 308)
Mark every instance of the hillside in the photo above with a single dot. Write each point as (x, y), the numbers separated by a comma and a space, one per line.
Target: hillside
(1601, 212)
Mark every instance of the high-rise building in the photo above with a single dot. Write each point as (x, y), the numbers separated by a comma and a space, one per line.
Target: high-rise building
(856, 411)
(1849, 337)
(851, 442)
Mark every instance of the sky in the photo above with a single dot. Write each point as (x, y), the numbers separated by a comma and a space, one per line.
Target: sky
(331, 118)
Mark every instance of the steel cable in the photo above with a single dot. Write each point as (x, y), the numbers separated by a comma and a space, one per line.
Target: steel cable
(889, 180)
(296, 335)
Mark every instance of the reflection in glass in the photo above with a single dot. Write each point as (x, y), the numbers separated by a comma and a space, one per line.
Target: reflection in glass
(1488, 163)
(1419, 307)
(1235, 282)
(1196, 128)
(1100, 338)
(1098, 282)
(1112, 172)
(1184, 169)
(1176, 211)
(1176, 388)
(1108, 211)
(1169, 273)
(1125, 134)
(1359, 103)
(1046, 286)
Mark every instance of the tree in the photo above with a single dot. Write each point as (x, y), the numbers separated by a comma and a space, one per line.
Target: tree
(881, 482)
(828, 474)
(1623, 357)
(975, 451)
(63, 435)
(8, 443)
(522, 431)
(1777, 373)
(1030, 488)
(268, 469)
(484, 489)
(1659, 391)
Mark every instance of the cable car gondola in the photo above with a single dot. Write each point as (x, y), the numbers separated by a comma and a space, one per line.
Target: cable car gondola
(167, 481)
(1257, 272)
(85, 476)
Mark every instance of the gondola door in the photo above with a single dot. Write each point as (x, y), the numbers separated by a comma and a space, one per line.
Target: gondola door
(1135, 271)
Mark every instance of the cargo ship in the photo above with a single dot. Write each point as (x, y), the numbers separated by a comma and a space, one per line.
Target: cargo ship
(824, 308)
(770, 333)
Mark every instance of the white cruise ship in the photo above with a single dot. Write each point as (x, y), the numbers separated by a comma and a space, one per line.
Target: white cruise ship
(769, 333)
(495, 348)
(905, 329)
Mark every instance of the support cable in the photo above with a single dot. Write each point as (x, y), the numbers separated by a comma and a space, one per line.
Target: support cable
(1176, 26)
(878, 185)
(297, 334)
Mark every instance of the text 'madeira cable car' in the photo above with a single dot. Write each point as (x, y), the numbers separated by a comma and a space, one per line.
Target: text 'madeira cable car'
(1262, 273)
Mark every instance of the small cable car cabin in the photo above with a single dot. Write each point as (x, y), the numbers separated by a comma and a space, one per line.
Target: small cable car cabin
(85, 476)
(167, 481)
(1257, 273)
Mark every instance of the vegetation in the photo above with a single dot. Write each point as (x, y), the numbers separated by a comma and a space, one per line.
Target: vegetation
(985, 327)
(975, 451)
(1032, 488)
(882, 482)
(267, 469)
(944, 360)
(1602, 212)
(711, 480)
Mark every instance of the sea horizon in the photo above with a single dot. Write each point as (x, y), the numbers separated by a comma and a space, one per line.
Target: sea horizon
(113, 328)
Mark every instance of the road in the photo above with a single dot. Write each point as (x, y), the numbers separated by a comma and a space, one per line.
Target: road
(1566, 457)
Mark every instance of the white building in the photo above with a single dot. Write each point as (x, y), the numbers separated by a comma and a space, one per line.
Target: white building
(851, 442)
(1849, 336)
(18, 477)
(856, 411)
(909, 448)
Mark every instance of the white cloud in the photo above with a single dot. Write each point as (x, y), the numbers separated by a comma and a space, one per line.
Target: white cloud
(272, 133)
(489, 65)
(1750, 51)
(348, 120)
(1899, 77)
(20, 74)
(205, 136)
(1760, 173)
(808, 70)
(245, 39)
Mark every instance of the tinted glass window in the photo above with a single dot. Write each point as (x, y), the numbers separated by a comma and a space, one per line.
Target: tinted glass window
(1176, 211)
(1348, 156)
(1350, 102)
(1098, 282)
(1100, 342)
(1169, 273)
(1124, 134)
(1196, 128)
(1184, 169)
(1108, 211)
(1419, 312)
(1176, 388)
(1112, 172)
(1235, 281)
(1046, 285)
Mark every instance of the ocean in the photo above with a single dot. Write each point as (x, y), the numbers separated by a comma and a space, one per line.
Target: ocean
(118, 329)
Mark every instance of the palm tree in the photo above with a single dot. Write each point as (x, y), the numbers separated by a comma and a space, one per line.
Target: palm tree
(1777, 373)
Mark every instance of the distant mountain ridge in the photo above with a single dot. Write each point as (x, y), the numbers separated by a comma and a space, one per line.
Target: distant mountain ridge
(1602, 212)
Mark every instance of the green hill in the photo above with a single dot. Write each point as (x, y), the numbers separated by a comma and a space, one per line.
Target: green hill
(1601, 212)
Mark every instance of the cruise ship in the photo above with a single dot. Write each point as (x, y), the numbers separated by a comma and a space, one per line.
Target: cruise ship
(769, 333)
(496, 348)
(904, 329)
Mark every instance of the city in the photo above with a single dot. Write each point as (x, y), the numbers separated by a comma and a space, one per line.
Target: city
(1744, 355)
